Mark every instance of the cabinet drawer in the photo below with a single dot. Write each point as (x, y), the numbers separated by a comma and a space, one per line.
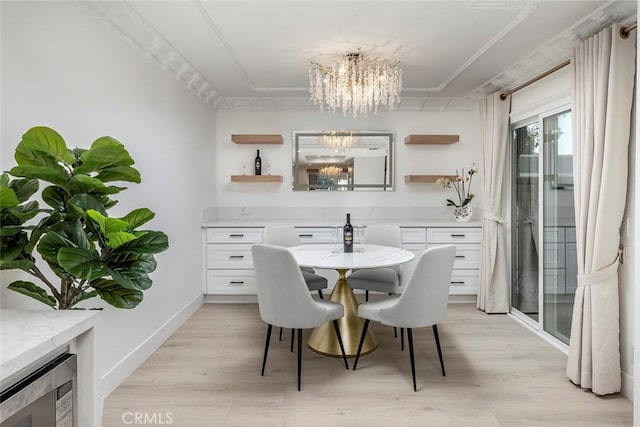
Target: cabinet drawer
(467, 256)
(229, 256)
(234, 235)
(413, 235)
(454, 235)
(554, 281)
(553, 255)
(554, 234)
(230, 282)
(317, 235)
(464, 282)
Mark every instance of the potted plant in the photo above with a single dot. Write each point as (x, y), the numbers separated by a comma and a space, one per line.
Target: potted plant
(91, 253)
(461, 183)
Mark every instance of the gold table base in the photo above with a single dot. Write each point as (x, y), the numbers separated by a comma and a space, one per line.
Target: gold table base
(323, 339)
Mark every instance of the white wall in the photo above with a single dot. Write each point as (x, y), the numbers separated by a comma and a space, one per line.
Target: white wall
(409, 159)
(62, 67)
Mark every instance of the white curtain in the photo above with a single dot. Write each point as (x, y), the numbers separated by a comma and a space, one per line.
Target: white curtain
(493, 290)
(603, 72)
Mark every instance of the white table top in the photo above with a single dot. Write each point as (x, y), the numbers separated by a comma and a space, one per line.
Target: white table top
(373, 256)
(27, 335)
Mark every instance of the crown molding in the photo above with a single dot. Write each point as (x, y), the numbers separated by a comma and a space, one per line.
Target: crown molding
(558, 49)
(124, 20)
(257, 104)
(138, 33)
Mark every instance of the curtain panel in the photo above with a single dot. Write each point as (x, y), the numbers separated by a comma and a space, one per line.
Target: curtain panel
(493, 290)
(603, 70)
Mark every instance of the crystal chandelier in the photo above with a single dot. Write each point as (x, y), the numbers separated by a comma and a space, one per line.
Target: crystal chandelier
(339, 140)
(356, 84)
(330, 171)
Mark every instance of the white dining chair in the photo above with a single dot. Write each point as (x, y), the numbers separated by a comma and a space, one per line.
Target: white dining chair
(286, 236)
(422, 303)
(384, 279)
(284, 301)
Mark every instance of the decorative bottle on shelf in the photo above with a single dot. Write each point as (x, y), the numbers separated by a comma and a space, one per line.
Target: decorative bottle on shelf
(258, 164)
(347, 235)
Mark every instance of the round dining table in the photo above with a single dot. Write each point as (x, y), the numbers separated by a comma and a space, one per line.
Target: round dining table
(323, 339)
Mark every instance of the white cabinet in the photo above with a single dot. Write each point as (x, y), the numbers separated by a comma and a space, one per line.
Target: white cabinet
(560, 260)
(466, 267)
(228, 260)
(229, 266)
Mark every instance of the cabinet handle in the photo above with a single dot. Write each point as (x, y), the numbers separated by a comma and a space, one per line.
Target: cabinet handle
(236, 235)
(457, 283)
(305, 235)
(460, 256)
(236, 282)
(236, 256)
(458, 235)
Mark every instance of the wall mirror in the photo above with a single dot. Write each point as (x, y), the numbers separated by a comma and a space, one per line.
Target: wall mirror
(343, 161)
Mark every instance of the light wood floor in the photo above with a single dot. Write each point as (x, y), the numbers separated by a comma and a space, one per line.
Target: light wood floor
(498, 374)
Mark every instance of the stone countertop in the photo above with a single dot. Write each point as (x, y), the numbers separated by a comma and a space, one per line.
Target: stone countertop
(29, 335)
(327, 223)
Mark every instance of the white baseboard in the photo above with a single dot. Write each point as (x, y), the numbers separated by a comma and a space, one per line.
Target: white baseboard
(132, 361)
(627, 386)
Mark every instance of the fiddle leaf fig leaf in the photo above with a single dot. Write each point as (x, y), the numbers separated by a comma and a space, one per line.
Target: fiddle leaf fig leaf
(31, 290)
(55, 197)
(117, 295)
(86, 202)
(8, 198)
(137, 217)
(107, 225)
(82, 263)
(119, 238)
(21, 264)
(152, 242)
(46, 173)
(105, 153)
(41, 142)
(81, 184)
(24, 188)
(120, 173)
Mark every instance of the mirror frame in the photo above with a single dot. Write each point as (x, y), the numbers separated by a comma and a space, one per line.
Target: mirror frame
(387, 186)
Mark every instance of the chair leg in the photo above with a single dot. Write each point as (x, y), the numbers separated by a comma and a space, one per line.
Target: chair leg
(366, 296)
(437, 337)
(401, 339)
(280, 335)
(344, 355)
(266, 349)
(299, 356)
(364, 333)
(320, 294)
(293, 332)
(395, 332)
(413, 363)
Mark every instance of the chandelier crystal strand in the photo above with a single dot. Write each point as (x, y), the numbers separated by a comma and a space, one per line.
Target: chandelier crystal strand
(330, 171)
(339, 141)
(356, 85)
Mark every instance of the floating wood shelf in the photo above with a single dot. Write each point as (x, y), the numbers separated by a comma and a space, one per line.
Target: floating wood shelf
(425, 178)
(431, 139)
(257, 139)
(256, 178)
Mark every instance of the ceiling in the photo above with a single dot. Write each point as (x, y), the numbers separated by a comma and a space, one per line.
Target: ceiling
(255, 55)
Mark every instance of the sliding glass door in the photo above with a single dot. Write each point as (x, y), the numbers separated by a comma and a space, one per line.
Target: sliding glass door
(524, 277)
(543, 261)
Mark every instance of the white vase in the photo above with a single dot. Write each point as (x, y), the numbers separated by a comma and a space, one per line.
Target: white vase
(463, 213)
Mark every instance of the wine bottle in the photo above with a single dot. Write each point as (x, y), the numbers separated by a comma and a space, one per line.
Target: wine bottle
(347, 235)
(258, 164)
